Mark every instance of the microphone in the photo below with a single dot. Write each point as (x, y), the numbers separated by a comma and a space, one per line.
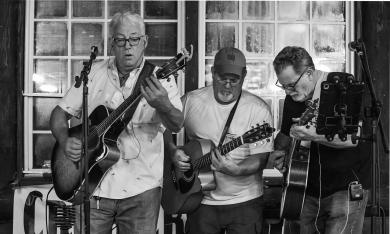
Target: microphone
(356, 45)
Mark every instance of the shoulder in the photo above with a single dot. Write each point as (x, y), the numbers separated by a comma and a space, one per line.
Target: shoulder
(253, 101)
(99, 69)
(201, 94)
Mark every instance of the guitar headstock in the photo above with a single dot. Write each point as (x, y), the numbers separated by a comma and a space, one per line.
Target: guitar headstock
(175, 64)
(310, 112)
(257, 133)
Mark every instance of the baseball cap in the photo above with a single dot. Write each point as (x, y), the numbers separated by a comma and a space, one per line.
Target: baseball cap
(229, 60)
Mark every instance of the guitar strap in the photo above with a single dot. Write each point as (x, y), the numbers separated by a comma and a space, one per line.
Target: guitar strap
(135, 96)
(228, 121)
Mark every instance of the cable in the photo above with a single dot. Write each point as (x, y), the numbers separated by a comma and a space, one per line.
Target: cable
(47, 198)
(346, 222)
(319, 198)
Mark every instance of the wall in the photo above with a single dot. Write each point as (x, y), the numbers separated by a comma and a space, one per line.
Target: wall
(10, 42)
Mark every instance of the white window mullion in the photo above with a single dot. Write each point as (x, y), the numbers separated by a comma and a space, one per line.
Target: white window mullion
(202, 43)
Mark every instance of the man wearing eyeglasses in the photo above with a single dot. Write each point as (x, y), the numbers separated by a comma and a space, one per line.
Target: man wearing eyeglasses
(333, 165)
(236, 205)
(129, 193)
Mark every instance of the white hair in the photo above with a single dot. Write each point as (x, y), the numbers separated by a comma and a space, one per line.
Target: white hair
(126, 18)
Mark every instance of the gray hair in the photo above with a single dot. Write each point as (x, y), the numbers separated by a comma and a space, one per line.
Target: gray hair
(126, 18)
(295, 56)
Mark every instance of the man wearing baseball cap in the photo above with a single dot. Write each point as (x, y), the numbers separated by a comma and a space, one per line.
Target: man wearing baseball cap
(236, 205)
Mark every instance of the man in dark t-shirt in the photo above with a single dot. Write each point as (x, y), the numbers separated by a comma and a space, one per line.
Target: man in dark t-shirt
(334, 165)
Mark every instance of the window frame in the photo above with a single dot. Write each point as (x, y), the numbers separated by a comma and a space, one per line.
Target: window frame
(274, 96)
(28, 94)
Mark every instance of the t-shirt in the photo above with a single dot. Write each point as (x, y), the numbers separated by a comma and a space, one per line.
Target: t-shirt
(140, 166)
(205, 118)
(338, 167)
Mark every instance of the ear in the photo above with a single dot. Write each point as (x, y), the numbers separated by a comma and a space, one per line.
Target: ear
(244, 72)
(146, 41)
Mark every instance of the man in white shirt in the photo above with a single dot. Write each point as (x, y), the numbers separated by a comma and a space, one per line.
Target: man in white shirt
(129, 193)
(236, 205)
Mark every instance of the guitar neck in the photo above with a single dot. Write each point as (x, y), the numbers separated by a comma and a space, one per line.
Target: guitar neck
(223, 149)
(115, 115)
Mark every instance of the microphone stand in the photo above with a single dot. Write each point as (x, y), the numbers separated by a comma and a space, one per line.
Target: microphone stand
(373, 112)
(84, 140)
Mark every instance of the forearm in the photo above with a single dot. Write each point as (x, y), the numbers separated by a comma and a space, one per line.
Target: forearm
(172, 118)
(251, 165)
(59, 124)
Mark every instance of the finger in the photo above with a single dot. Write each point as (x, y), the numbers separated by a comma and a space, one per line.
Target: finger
(212, 167)
(144, 93)
(184, 166)
(295, 120)
(156, 83)
(217, 154)
(184, 158)
(151, 85)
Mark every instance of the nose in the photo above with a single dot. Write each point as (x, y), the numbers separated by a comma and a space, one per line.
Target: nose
(228, 84)
(127, 45)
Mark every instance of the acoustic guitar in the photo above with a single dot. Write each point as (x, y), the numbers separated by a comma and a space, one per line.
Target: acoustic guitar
(183, 191)
(104, 130)
(295, 182)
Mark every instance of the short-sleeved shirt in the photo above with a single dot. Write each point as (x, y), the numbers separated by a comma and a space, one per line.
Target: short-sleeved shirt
(205, 118)
(140, 166)
(338, 167)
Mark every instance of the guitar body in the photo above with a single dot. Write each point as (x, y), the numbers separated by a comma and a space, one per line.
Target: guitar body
(295, 183)
(182, 192)
(293, 194)
(68, 176)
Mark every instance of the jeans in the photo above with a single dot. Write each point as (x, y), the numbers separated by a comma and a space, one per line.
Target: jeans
(245, 217)
(135, 215)
(337, 214)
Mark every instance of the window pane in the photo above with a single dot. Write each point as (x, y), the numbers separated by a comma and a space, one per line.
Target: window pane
(219, 35)
(51, 38)
(42, 148)
(329, 41)
(123, 6)
(293, 35)
(258, 76)
(160, 10)
(208, 76)
(77, 67)
(51, 9)
(162, 39)
(42, 108)
(258, 10)
(330, 11)
(221, 10)
(259, 39)
(85, 35)
(85, 8)
(50, 76)
(329, 65)
(294, 10)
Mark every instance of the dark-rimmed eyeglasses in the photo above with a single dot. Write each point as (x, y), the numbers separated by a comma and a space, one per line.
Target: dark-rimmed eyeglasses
(291, 86)
(133, 41)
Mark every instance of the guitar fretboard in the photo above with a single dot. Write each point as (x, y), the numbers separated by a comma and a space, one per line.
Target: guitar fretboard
(223, 149)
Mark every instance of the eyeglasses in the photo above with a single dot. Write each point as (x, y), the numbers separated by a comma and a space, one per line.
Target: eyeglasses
(133, 41)
(232, 81)
(291, 86)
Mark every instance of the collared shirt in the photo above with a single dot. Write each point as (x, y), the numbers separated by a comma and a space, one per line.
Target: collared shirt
(140, 166)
